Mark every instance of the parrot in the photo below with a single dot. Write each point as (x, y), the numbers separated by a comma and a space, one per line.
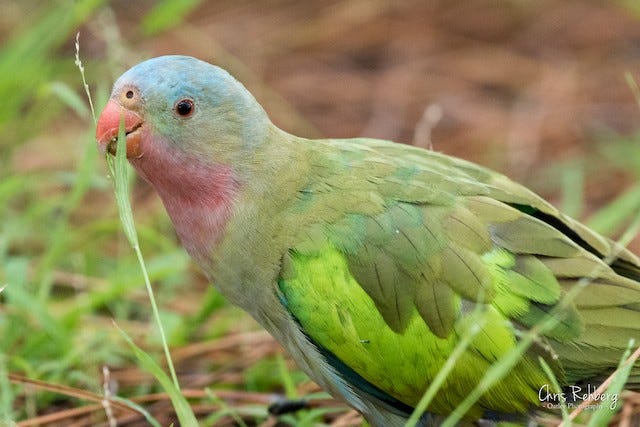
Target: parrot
(371, 261)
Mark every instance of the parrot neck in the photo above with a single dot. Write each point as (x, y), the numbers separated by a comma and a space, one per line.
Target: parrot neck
(198, 196)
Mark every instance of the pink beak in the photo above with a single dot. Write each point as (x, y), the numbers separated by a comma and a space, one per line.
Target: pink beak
(109, 124)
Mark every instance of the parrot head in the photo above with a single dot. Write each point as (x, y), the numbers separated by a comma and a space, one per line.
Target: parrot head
(191, 132)
(183, 107)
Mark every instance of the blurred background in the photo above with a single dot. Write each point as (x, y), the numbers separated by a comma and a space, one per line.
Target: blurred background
(539, 90)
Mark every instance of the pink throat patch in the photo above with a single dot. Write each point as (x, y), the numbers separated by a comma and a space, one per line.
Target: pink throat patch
(197, 195)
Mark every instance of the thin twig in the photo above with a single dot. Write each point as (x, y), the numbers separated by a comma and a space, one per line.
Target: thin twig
(106, 402)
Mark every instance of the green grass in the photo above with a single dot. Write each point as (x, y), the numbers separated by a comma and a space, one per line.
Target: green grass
(118, 168)
(67, 269)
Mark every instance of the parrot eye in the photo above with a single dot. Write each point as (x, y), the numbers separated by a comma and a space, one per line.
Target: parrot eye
(129, 94)
(184, 107)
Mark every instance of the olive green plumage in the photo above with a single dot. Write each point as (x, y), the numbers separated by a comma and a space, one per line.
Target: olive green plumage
(369, 260)
(398, 245)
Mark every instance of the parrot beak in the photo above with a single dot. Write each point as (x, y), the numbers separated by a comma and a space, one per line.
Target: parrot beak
(108, 127)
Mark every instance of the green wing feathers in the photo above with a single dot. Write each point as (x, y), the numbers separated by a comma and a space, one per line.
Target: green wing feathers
(337, 314)
(398, 247)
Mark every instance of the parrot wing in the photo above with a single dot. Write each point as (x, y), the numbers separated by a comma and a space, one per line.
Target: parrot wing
(401, 247)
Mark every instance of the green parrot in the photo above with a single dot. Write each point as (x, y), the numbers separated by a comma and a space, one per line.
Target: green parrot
(369, 261)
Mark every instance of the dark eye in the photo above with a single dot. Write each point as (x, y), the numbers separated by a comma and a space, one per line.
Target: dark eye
(129, 94)
(184, 107)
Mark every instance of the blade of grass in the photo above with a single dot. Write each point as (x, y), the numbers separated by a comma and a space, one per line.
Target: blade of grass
(556, 389)
(501, 368)
(446, 369)
(180, 404)
(572, 189)
(610, 218)
(138, 408)
(506, 363)
(118, 170)
(286, 378)
(68, 96)
(224, 410)
(617, 380)
(59, 237)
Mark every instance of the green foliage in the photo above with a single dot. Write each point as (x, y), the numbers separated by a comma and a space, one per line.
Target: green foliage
(65, 270)
(119, 172)
(169, 385)
(618, 213)
(167, 14)
(605, 412)
(6, 394)
(632, 6)
(28, 67)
